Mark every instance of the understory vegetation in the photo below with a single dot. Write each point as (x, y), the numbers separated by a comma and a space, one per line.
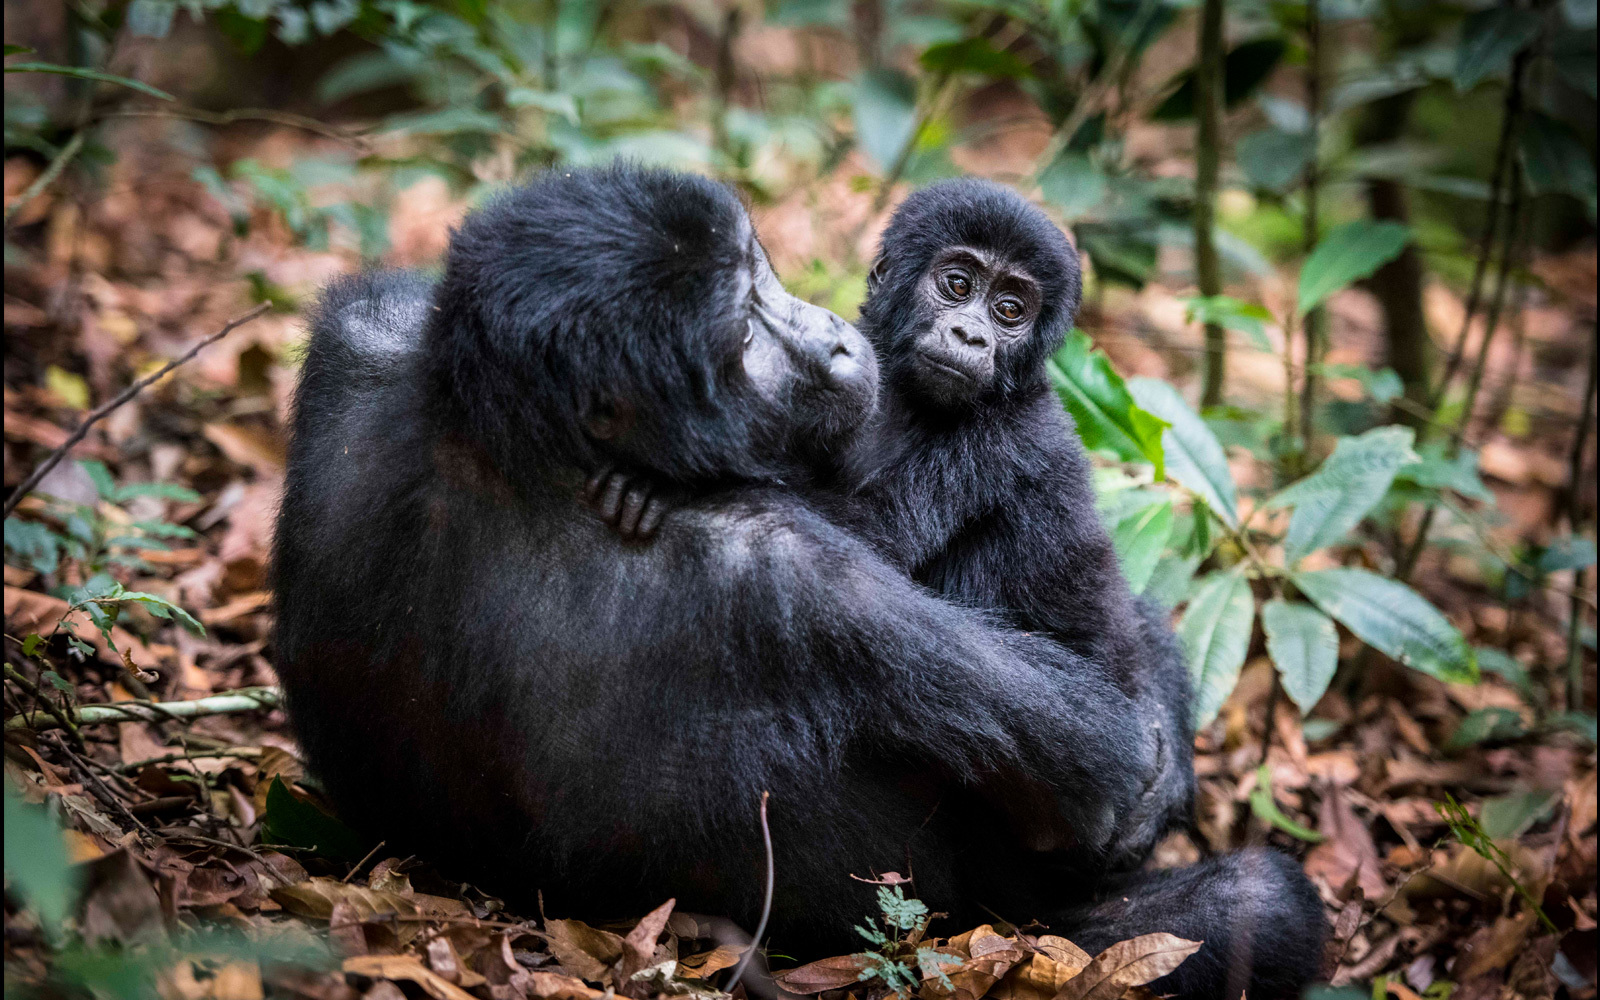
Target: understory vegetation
(1336, 367)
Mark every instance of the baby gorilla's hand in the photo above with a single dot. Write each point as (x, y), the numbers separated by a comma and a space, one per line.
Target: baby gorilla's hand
(631, 505)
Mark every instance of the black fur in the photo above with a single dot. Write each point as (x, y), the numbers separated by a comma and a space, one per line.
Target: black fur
(988, 501)
(480, 670)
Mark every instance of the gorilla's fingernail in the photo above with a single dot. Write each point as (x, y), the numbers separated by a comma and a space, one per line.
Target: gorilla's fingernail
(654, 511)
(592, 487)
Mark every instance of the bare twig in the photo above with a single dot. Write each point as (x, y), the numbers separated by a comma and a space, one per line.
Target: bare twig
(242, 700)
(766, 903)
(126, 394)
(98, 788)
(242, 753)
(57, 164)
(365, 858)
(225, 118)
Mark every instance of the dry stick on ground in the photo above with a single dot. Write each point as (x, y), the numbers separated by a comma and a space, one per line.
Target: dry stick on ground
(766, 903)
(21, 681)
(1574, 478)
(242, 700)
(57, 164)
(126, 394)
(241, 753)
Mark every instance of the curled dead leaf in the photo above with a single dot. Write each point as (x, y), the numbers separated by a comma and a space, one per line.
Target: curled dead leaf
(825, 974)
(709, 963)
(583, 950)
(1125, 964)
(407, 967)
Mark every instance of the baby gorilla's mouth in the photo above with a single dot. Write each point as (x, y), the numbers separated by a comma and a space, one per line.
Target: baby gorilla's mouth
(933, 360)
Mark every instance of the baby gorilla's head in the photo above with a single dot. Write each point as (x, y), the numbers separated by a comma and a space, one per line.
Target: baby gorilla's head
(629, 316)
(972, 290)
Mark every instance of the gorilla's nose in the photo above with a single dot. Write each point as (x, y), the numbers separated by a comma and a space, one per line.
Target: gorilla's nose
(974, 338)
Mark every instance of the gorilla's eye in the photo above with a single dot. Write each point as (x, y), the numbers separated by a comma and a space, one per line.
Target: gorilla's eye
(1009, 310)
(957, 285)
(749, 332)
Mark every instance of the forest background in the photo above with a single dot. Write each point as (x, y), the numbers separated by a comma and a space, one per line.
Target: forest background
(1336, 365)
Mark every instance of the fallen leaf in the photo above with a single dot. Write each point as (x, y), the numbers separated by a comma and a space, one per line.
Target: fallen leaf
(639, 947)
(988, 956)
(825, 974)
(1134, 962)
(1493, 947)
(407, 967)
(584, 950)
(1348, 850)
(553, 986)
(709, 963)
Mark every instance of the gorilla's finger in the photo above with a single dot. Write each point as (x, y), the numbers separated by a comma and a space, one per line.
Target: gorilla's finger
(610, 502)
(591, 488)
(654, 511)
(633, 504)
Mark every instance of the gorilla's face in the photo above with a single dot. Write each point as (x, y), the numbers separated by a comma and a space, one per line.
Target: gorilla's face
(976, 310)
(801, 360)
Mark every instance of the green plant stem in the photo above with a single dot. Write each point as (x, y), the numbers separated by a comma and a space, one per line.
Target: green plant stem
(16, 677)
(242, 700)
(58, 163)
(1312, 324)
(1208, 155)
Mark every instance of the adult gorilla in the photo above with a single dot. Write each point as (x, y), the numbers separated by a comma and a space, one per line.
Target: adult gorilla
(481, 670)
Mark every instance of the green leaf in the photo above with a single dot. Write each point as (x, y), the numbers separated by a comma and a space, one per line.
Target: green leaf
(17, 50)
(885, 114)
(1556, 159)
(1567, 552)
(1507, 817)
(290, 820)
(1486, 725)
(89, 74)
(1140, 540)
(1304, 645)
(973, 55)
(1503, 664)
(101, 477)
(1489, 39)
(163, 608)
(1266, 809)
(1107, 417)
(1438, 471)
(166, 491)
(1581, 723)
(1347, 254)
(1274, 159)
(1171, 579)
(1245, 68)
(1073, 184)
(1215, 633)
(32, 643)
(36, 862)
(555, 103)
(34, 544)
(1393, 619)
(1334, 499)
(1194, 456)
(1230, 313)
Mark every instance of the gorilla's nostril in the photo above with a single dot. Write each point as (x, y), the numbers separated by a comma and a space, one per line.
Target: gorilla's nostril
(840, 348)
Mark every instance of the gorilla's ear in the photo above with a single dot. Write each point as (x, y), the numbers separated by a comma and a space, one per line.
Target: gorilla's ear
(875, 275)
(608, 419)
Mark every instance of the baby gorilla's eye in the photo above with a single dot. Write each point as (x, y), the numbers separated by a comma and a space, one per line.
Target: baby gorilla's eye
(749, 332)
(958, 285)
(1009, 310)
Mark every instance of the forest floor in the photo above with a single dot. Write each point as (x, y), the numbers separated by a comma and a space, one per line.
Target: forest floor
(167, 816)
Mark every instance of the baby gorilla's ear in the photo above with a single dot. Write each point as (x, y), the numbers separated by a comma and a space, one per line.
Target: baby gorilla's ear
(875, 275)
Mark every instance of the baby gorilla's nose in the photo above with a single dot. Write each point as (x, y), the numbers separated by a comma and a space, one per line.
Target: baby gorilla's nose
(971, 336)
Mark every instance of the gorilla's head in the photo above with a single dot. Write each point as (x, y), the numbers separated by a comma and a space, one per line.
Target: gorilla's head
(629, 315)
(973, 288)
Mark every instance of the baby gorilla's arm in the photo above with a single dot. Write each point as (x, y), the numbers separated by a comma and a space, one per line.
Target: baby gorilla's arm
(633, 506)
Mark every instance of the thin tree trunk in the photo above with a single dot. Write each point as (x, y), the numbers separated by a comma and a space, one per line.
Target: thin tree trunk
(1208, 155)
(1312, 324)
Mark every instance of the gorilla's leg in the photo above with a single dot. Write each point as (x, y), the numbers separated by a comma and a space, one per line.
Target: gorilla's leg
(1260, 919)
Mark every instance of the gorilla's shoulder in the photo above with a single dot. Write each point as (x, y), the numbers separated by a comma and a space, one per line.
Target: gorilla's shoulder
(374, 313)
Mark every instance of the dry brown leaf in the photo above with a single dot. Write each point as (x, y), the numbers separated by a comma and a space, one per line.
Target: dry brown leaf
(1043, 974)
(274, 763)
(316, 898)
(826, 974)
(444, 960)
(1348, 850)
(1125, 964)
(1493, 947)
(249, 446)
(709, 963)
(586, 951)
(988, 956)
(407, 967)
(552, 986)
(639, 947)
(240, 606)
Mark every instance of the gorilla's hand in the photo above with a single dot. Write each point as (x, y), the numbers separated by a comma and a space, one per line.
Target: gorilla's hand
(1167, 798)
(632, 505)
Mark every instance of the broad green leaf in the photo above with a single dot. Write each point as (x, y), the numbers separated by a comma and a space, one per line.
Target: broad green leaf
(1244, 69)
(88, 74)
(1171, 579)
(1334, 499)
(1274, 159)
(1305, 647)
(1382, 384)
(1507, 817)
(1101, 405)
(101, 477)
(972, 55)
(555, 103)
(1073, 184)
(1567, 552)
(1503, 664)
(885, 114)
(1556, 159)
(1139, 541)
(166, 491)
(1489, 39)
(1230, 313)
(1438, 471)
(36, 862)
(1266, 809)
(1581, 723)
(1347, 254)
(1215, 633)
(1194, 456)
(1391, 618)
(1486, 725)
(293, 821)
(163, 608)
